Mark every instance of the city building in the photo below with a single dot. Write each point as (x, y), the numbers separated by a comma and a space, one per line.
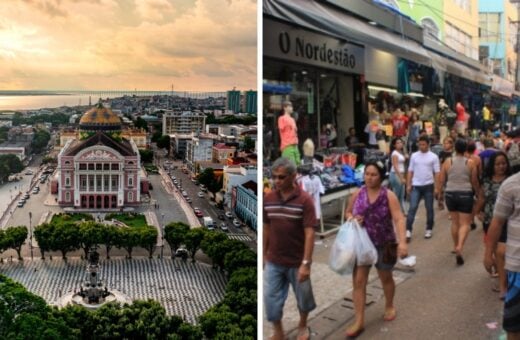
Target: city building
(221, 152)
(235, 175)
(99, 169)
(250, 102)
(244, 202)
(198, 149)
(233, 101)
(178, 144)
(183, 122)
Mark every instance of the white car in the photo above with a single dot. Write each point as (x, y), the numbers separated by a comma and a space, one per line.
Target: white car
(200, 194)
(185, 194)
(229, 214)
(223, 227)
(237, 223)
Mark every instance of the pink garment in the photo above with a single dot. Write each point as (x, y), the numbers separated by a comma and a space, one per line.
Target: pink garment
(288, 131)
(461, 112)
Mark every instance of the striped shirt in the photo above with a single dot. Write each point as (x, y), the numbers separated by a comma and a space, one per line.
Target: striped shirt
(287, 220)
(507, 207)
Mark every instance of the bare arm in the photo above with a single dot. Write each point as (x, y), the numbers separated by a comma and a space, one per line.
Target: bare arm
(304, 272)
(350, 205)
(441, 178)
(409, 182)
(399, 223)
(395, 165)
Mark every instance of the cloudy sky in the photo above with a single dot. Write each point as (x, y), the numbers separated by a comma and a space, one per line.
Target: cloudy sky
(205, 45)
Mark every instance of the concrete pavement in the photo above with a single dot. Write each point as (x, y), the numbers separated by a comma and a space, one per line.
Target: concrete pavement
(438, 300)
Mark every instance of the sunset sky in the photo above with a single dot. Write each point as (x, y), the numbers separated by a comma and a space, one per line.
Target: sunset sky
(207, 45)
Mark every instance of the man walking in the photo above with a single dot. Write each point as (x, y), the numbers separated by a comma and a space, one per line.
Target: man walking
(507, 215)
(421, 182)
(289, 220)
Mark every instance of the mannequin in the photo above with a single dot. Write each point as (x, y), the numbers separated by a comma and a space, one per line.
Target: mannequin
(442, 120)
(462, 118)
(288, 133)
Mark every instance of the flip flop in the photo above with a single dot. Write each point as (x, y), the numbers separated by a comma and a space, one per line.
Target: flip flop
(390, 315)
(354, 334)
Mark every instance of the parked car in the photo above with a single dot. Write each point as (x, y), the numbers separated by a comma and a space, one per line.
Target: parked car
(237, 223)
(185, 194)
(188, 200)
(198, 212)
(200, 194)
(224, 227)
(29, 172)
(35, 190)
(26, 196)
(229, 214)
(20, 203)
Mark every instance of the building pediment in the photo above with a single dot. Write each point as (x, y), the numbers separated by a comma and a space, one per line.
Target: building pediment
(98, 155)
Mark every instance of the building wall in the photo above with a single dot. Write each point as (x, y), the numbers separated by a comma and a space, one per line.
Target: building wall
(432, 10)
(235, 177)
(250, 102)
(246, 206)
(233, 101)
(466, 20)
(185, 122)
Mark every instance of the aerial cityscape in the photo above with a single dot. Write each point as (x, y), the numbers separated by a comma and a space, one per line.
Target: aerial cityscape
(128, 184)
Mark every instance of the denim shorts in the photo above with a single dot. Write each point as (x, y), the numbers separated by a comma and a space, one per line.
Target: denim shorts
(459, 201)
(380, 265)
(276, 288)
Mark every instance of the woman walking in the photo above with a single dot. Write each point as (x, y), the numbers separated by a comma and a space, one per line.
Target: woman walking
(460, 176)
(397, 170)
(376, 209)
(496, 171)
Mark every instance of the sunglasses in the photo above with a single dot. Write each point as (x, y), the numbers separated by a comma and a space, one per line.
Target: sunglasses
(280, 177)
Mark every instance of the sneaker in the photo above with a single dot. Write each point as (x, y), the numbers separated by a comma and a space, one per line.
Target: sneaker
(428, 234)
(408, 235)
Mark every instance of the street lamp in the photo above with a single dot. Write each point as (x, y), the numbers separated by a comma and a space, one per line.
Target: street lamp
(30, 233)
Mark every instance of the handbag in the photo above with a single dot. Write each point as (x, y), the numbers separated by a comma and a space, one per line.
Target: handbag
(390, 253)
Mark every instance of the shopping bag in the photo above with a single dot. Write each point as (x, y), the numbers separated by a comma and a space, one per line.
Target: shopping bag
(366, 252)
(342, 257)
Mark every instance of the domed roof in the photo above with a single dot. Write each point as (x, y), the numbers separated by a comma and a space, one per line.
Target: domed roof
(100, 118)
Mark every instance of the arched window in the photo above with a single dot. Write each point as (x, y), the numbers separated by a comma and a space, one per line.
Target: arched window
(130, 181)
(390, 3)
(430, 28)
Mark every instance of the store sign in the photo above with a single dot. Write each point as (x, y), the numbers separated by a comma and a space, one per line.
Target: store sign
(294, 44)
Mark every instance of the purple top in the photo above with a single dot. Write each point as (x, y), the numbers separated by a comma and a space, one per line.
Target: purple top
(376, 216)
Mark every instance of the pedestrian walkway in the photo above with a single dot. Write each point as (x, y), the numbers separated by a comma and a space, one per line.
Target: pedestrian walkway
(240, 237)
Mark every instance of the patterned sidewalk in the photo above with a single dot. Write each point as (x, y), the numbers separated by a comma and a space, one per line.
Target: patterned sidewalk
(183, 288)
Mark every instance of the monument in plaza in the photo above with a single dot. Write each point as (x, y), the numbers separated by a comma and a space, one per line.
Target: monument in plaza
(93, 292)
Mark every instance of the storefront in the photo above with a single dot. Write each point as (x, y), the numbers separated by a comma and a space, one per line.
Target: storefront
(320, 75)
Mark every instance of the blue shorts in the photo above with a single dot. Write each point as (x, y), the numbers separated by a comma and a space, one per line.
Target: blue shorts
(511, 321)
(276, 288)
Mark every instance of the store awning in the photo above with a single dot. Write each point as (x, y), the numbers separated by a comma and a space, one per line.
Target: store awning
(503, 86)
(329, 20)
(445, 64)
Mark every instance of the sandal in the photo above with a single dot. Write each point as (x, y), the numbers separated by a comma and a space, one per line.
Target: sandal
(390, 315)
(304, 334)
(353, 332)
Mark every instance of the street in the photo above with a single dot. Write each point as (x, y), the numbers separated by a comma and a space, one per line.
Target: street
(439, 300)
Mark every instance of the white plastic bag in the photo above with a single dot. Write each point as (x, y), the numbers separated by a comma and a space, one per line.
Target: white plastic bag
(342, 258)
(366, 252)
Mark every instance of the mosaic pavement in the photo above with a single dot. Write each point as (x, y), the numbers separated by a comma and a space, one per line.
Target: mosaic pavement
(183, 288)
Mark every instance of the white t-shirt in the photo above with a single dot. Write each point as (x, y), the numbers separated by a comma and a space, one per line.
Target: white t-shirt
(424, 165)
(314, 187)
(400, 161)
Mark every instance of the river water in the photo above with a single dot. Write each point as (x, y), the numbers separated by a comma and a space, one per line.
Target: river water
(32, 102)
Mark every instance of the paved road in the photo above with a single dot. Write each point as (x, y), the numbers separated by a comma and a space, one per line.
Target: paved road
(439, 300)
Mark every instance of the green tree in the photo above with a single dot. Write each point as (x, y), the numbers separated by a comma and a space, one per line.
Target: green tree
(148, 239)
(218, 319)
(249, 144)
(214, 245)
(207, 177)
(90, 234)
(146, 156)
(156, 136)
(174, 234)
(129, 238)
(43, 235)
(140, 123)
(15, 238)
(242, 278)
(110, 238)
(40, 140)
(193, 240)
(164, 143)
(65, 238)
(239, 259)
(242, 301)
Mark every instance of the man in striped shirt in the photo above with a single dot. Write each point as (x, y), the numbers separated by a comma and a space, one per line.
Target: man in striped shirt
(288, 232)
(507, 214)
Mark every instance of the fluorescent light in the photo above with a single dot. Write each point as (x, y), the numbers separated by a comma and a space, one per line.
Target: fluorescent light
(380, 88)
(373, 23)
(414, 94)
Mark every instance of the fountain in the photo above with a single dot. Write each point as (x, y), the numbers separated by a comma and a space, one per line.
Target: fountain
(93, 292)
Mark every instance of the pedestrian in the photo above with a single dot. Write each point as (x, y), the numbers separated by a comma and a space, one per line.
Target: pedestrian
(376, 209)
(414, 128)
(459, 174)
(471, 154)
(423, 175)
(288, 231)
(496, 172)
(397, 170)
(507, 210)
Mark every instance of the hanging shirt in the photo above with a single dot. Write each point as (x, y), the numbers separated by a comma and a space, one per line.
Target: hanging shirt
(313, 186)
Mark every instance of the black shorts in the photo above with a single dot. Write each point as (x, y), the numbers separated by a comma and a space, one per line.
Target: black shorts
(459, 201)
